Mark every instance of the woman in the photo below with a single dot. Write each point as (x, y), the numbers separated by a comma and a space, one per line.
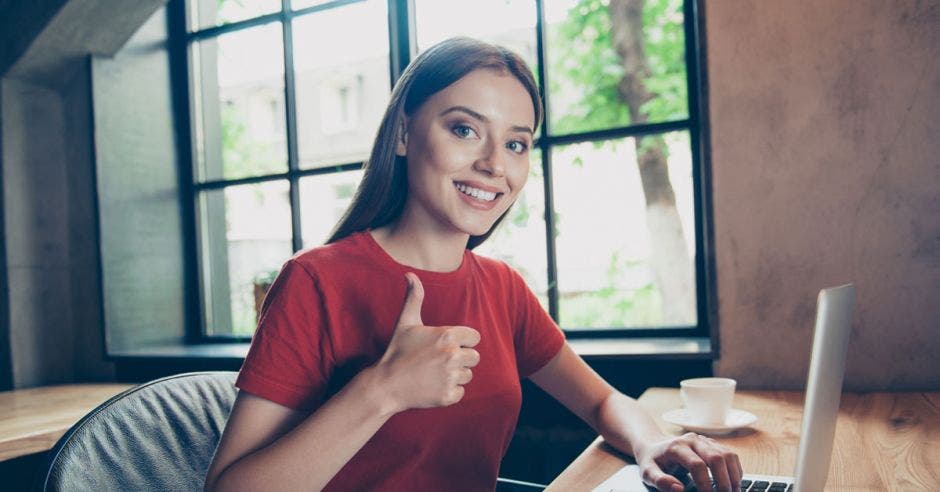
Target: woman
(391, 358)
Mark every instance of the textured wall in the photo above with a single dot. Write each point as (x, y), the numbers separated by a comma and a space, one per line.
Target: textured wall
(37, 232)
(88, 363)
(138, 198)
(825, 125)
(52, 301)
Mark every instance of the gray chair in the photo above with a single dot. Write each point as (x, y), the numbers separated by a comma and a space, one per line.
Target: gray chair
(160, 435)
(157, 436)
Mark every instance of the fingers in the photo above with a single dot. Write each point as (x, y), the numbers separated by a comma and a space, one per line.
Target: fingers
(691, 461)
(414, 297)
(454, 395)
(464, 336)
(715, 461)
(467, 357)
(738, 471)
(722, 461)
(656, 477)
(465, 376)
(701, 455)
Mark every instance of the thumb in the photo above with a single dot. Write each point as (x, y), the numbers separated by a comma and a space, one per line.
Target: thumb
(414, 297)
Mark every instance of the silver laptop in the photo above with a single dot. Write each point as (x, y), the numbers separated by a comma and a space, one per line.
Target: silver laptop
(823, 393)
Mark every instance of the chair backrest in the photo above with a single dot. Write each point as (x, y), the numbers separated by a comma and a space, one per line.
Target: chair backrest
(160, 435)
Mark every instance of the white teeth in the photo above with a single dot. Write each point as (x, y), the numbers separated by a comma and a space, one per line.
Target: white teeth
(477, 193)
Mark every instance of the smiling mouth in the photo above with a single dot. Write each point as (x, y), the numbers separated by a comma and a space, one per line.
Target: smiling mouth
(476, 193)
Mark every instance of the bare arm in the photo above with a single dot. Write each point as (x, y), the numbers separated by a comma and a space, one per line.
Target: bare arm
(264, 447)
(626, 426)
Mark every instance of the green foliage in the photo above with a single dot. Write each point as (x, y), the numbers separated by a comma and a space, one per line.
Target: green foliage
(613, 305)
(586, 69)
(585, 64)
(243, 321)
(345, 191)
(664, 36)
(265, 277)
(242, 156)
(519, 216)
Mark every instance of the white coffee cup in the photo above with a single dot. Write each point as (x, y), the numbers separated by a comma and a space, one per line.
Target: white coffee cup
(708, 400)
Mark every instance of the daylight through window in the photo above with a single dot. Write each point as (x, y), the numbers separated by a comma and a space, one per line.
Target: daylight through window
(285, 100)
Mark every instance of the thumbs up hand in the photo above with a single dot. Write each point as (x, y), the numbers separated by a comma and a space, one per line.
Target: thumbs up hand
(427, 366)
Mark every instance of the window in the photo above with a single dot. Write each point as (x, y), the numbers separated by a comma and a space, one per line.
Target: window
(339, 99)
(285, 99)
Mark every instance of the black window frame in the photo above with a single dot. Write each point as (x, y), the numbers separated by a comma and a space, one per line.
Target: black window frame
(401, 46)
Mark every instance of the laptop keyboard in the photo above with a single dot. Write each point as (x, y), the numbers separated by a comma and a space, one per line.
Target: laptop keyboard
(754, 486)
(765, 486)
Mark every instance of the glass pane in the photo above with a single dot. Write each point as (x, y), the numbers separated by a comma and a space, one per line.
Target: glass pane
(595, 84)
(625, 249)
(323, 201)
(342, 78)
(508, 23)
(245, 237)
(520, 238)
(239, 110)
(301, 4)
(210, 13)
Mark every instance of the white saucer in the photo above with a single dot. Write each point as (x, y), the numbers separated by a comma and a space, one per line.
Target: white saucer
(736, 419)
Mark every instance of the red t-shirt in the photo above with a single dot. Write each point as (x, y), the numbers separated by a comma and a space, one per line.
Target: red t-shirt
(331, 312)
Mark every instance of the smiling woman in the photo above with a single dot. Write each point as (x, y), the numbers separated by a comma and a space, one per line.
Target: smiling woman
(466, 166)
(497, 82)
(395, 328)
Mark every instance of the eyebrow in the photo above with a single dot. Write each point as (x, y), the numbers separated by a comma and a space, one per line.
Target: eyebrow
(484, 119)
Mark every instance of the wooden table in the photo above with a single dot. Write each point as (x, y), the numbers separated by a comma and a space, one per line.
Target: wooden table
(32, 420)
(884, 441)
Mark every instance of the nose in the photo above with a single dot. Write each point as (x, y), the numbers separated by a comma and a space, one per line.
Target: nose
(490, 162)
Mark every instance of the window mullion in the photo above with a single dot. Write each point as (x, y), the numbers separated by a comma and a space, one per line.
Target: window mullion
(552, 266)
(182, 90)
(290, 109)
(698, 138)
(401, 36)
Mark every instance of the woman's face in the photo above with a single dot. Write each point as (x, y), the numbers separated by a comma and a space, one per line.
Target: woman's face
(467, 149)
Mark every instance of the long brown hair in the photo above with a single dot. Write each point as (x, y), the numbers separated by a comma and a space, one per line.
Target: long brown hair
(380, 198)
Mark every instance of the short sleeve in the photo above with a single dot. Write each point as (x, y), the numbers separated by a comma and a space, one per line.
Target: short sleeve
(290, 360)
(537, 338)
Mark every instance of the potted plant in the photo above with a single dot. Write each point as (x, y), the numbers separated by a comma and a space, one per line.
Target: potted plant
(260, 284)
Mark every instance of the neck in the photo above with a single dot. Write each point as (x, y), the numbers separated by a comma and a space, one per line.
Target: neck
(432, 249)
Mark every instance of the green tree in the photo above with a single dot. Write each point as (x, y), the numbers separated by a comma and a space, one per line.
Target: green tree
(242, 155)
(624, 61)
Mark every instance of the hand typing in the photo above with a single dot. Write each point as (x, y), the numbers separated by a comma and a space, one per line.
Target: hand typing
(697, 454)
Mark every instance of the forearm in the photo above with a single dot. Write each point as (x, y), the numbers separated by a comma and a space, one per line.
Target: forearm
(625, 424)
(310, 455)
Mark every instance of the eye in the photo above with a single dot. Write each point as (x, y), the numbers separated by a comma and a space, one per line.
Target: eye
(517, 146)
(463, 131)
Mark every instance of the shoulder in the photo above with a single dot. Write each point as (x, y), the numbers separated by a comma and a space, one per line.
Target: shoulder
(497, 270)
(324, 259)
(312, 272)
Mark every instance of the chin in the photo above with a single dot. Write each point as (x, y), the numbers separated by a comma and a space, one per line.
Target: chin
(476, 225)
(478, 229)
(471, 227)
(474, 231)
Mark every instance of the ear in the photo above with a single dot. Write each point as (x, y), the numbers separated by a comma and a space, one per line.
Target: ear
(401, 146)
